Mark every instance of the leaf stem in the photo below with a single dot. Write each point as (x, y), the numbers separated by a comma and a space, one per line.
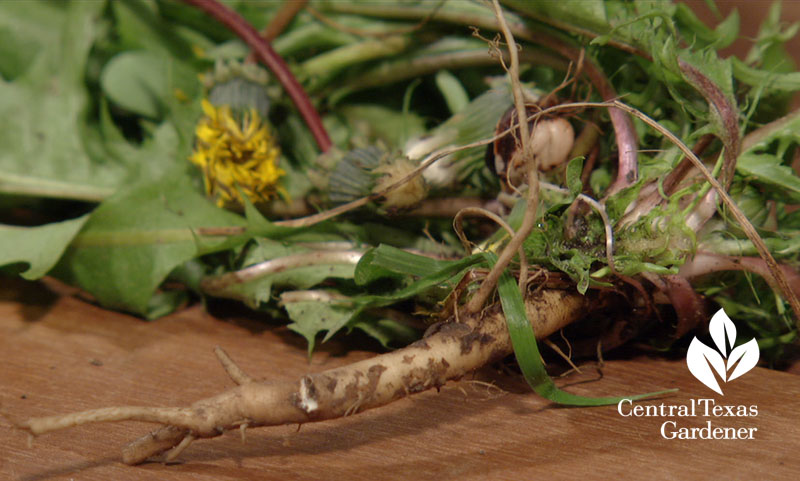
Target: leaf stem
(223, 285)
(405, 68)
(477, 301)
(326, 65)
(721, 106)
(238, 25)
(11, 183)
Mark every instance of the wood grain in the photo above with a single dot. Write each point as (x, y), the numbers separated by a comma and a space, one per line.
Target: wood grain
(60, 354)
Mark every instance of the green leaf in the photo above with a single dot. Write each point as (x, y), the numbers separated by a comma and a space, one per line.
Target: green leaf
(137, 81)
(619, 202)
(135, 239)
(453, 92)
(574, 170)
(38, 247)
(385, 261)
(768, 169)
(379, 262)
(722, 36)
(139, 25)
(728, 30)
(714, 68)
(388, 332)
(588, 14)
(527, 353)
(312, 317)
(449, 272)
(786, 129)
(769, 50)
(770, 80)
(26, 28)
(382, 123)
(42, 117)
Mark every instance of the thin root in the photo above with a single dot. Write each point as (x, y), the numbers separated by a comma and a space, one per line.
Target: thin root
(243, 432)
(457, 226)
(563, 355)
(531, 165)
(234, 371)
(177, 450)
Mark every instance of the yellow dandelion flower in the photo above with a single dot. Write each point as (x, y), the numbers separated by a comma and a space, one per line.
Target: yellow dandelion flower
(236, 156)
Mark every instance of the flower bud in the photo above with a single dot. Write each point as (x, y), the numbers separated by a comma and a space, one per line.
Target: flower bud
(551, 142)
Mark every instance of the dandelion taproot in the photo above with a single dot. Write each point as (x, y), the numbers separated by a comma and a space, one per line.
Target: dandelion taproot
(237, 154)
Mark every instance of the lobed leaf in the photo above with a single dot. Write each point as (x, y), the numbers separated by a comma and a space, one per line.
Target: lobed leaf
(135, 239)
(39, 248)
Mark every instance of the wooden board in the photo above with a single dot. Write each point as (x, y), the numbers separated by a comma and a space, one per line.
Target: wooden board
(60, 354)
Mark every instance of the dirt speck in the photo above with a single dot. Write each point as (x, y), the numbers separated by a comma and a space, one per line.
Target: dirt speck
(468, 341)
(421, 344)
(331, 384)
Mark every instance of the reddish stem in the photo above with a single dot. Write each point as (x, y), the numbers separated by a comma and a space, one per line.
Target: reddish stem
(624, 133)
(726, 112)
(685, 165)
(273, 61)
(279, 22)
(689, 305)
(708, 262)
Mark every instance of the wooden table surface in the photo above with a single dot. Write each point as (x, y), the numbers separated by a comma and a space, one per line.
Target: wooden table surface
(61, 354)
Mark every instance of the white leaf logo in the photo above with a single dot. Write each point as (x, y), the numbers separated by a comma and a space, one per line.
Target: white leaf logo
(701, 358)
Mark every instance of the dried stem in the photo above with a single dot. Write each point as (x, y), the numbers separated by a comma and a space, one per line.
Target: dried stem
(488, 285)
(457, 226)
(475, 211)
(516, 87)
(271, 59)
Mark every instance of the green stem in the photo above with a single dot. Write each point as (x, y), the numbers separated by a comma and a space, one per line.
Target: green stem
(224, 285)
(743, 247)
(399, 70)
(310, 37)
(38, 187)
(95, 238)
(461, 13)
(328, 64)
